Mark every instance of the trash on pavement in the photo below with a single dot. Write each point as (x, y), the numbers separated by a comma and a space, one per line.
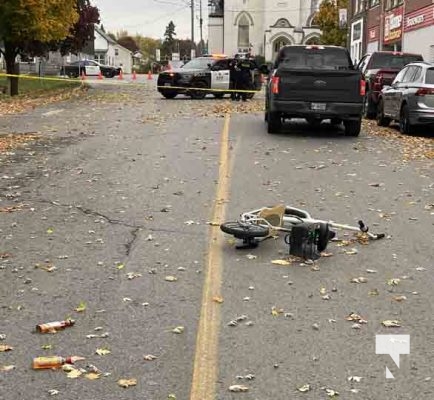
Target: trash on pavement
(53, 327)
(51, 362)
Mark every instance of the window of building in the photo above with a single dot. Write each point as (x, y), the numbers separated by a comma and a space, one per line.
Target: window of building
(243, 32)
(116, 52)
(393, 3)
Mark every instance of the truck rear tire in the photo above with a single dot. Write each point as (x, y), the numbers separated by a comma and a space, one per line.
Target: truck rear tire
(353, 127)
(274, 122)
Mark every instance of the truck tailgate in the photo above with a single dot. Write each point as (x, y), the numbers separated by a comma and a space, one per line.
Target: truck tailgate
(341, 86)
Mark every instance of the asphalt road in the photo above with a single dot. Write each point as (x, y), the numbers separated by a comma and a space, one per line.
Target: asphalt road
(120, 192)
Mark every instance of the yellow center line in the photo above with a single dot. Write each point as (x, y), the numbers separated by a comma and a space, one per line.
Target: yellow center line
(205, 368)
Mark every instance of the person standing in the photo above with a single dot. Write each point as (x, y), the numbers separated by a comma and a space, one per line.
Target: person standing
(245, 78)
(234, 78)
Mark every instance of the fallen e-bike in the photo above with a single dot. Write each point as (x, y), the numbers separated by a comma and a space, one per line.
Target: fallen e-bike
(307, 237)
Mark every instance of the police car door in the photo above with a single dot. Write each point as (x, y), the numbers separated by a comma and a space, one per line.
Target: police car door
(91, 68)
(220, 75)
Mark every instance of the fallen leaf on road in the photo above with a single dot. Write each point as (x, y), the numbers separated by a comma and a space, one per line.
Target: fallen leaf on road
(356, 318)
(400, 298)
(132, 275)
(126, 383)
(6, 368)
(238, 388)
(74, 373)
(280, 262)
(360, 279)
(92, 376)
(351, 252)
(178, 330)
(120, 266)
(324, 254)
(217, 299)
(50, 231)
(354, 378)
(170, 278)
(46, 346)
(332, 393)
(149, 357)
(276, 311)
(171, 397)
(323, 291)
(305, 388)
(371, 271)
(5, 347)
(374, 292)
(251, 256)
(391, 324)
(103, 351)
(394, 282)
(53, 392)
(81, 307)
(46, 267)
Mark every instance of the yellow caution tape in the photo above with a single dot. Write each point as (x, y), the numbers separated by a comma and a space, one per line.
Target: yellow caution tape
(125, 82)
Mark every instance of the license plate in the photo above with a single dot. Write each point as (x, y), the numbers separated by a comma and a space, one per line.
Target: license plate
(318, 106)
(167, 84)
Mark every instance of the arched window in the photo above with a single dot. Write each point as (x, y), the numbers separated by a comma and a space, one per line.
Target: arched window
(243, 32)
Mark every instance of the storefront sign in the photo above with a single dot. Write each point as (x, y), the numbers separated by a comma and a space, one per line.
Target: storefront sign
(373, 34)
(393, 22)
(419, 19)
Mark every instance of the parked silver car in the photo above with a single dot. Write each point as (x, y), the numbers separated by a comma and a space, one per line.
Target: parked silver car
(410, 98)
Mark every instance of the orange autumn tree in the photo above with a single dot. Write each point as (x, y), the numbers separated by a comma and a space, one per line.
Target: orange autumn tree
(25, 21)
(327, 19)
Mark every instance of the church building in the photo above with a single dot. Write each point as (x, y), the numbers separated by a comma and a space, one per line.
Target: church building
(260, 26)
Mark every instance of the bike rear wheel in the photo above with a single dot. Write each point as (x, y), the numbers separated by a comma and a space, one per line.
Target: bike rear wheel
(244, 231)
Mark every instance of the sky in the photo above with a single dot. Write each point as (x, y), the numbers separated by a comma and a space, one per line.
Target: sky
(150, 17)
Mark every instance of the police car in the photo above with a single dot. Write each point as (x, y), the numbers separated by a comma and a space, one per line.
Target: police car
(198, 75)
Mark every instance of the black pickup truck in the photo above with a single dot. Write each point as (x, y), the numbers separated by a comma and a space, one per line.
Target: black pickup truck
(316, 83)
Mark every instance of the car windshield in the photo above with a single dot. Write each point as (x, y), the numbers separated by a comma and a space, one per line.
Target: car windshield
(314, 58)
(199, 63)
(395, 61)
(429, 77)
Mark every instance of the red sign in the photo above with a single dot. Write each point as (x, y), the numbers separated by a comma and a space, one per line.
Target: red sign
(373, 34)
(393, 23)
(419, 19)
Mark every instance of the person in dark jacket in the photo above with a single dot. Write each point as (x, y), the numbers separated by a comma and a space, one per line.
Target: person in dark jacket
(245, 78)
(234, 78)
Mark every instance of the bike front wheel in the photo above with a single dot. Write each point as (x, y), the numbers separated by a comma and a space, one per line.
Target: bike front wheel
(244, 231)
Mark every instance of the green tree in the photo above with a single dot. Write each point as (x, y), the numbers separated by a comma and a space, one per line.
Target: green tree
(26, 21)
(129, 43)
(169, 38)
(148, 46)
(327, 18)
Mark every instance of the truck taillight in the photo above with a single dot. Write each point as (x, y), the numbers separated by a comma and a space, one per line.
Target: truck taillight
(424, 91)
(362, 87)
(275, 80)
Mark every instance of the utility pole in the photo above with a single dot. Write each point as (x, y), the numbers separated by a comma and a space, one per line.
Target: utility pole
(201, 27)
(192, 22)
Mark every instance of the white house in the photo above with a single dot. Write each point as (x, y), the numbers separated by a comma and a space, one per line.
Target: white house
(260, 26)
(109, 52)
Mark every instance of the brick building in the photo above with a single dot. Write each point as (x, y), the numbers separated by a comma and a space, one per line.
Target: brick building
(391, 25)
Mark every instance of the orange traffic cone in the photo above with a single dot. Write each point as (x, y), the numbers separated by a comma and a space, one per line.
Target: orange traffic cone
(121, 75)
(134, 75)
(83, 76)
(100, 76)
(150, 75)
